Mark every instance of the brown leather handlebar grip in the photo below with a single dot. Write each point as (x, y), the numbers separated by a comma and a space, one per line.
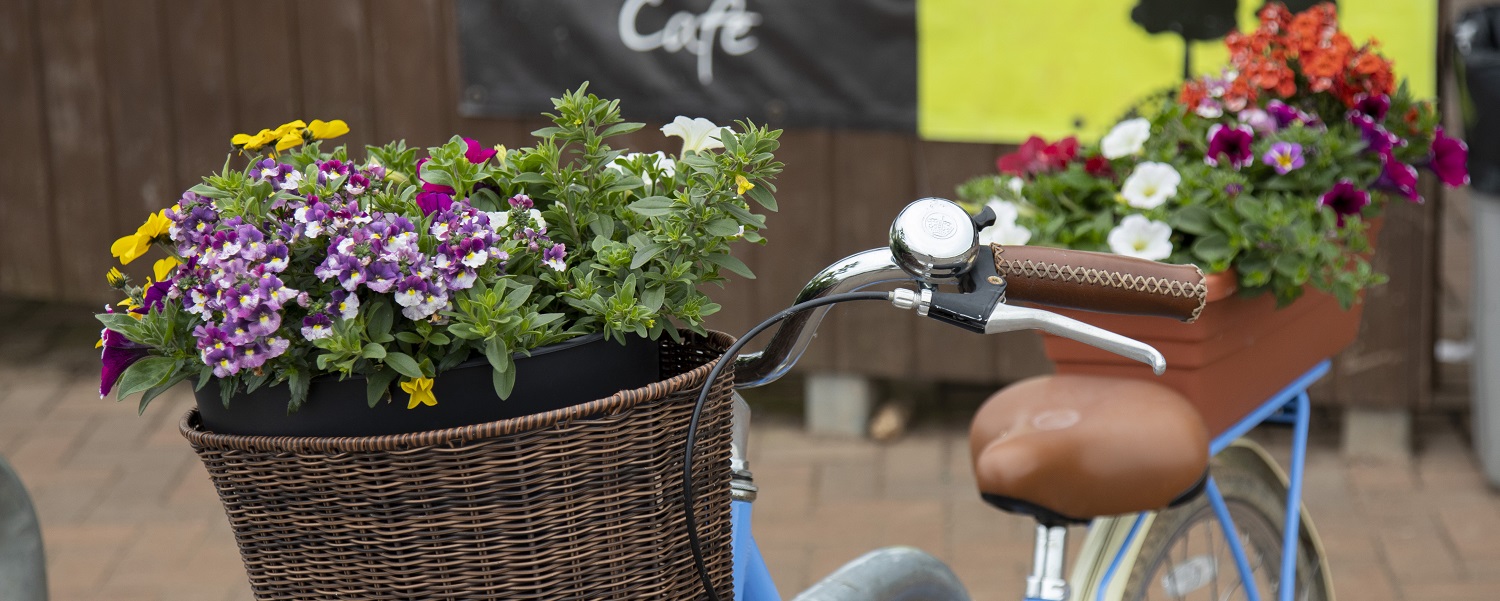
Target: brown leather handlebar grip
(1101, 282)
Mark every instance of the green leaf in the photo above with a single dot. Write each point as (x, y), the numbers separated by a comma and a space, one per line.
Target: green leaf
(516, 298)
(603, 227)
(652, 297)
(498, 354)
(118, 322)
(732, 264)
(143, 374)
(403, 363)
(378, 384)
(652, 206)
(1213, 248)
(209, 191)
(504, 381)
(299, 381)
(372, 351)
(146, 397)
(645, 253)
(1194, 219)
(381, 316)
(763, 197)
(621, 128)
(409, 337)
(722, 228)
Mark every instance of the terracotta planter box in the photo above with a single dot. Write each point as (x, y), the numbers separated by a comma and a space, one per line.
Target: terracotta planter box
(1239, 352)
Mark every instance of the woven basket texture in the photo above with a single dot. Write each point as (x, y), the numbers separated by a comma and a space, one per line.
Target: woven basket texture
(577, 503)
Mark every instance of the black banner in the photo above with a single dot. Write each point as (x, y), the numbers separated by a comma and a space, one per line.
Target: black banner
(824, 63)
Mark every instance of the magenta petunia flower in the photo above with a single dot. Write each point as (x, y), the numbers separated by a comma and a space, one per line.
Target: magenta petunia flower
(1378, 139)
(1375, 106)
(118, 355)
(1345, 200)
(1398, 177)
(433, 202)
(1449, 159)
(477, 153)
(1231, 142)
(1284, 157)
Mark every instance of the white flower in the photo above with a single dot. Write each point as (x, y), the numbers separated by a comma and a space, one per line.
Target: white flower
(1150, 185)
(697, 134)
(1004, 234)
(498, 219)
(1005, 211)
(1015, 184)
(1137, 236)
(667, 166)
(1126, 138)
(536, 218)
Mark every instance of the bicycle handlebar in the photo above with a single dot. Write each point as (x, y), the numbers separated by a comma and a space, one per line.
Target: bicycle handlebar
(1100, 282)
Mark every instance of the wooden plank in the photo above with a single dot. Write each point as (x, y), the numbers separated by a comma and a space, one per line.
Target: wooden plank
(799, 236)
(79, 146)
(28, 252)
(201, 95)
(264, 45)
(414, 98)
(337, 75)
(1390, 364)
(137, 104)
(872, 181)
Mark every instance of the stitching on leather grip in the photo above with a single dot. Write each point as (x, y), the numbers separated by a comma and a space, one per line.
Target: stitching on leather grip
(1031, 268)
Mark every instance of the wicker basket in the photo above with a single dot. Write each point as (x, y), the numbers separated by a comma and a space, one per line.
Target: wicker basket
(578, 503)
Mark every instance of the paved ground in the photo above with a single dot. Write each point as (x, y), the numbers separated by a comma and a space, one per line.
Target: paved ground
(129, 513)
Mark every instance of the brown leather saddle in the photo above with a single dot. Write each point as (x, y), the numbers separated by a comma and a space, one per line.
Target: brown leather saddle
(1067, 448)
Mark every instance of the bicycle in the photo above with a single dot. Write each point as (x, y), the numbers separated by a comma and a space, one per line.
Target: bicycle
(1038, 444)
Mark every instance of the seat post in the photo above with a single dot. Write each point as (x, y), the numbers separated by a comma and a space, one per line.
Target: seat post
(1046, 581)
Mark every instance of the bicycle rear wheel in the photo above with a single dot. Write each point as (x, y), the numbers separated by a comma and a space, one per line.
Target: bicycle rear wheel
(1185, 556)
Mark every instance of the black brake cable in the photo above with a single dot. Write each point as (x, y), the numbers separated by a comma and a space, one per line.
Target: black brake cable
(725, 362)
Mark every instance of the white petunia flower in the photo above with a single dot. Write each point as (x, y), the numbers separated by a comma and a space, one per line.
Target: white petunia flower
(1126, 138)
(1150, 185)
(697, 135)
(667, 166)
(1004, 234)
(1137, 236)
(1005, 211)
(536, 218)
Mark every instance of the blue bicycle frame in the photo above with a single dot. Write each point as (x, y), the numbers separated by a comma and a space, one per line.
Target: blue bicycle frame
(752, 581)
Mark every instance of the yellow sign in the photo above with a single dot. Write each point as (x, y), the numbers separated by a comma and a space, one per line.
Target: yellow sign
(1002, 70)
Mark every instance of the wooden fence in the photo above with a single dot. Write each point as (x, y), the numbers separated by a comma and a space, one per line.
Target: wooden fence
(109, 109)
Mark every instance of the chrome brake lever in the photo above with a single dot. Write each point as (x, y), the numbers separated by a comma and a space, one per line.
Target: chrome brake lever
(1008, 318)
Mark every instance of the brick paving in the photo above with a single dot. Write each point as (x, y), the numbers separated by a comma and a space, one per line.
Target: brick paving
(128, 513)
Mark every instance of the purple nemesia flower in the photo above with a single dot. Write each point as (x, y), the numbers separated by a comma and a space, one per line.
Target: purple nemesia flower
(1284, 114)
(263, 321)
(1259, 120)
(521, 201)
(1375, 106)
(1377, 139)
(1449, 159)
(1398, 177)
(118, 355)
(346, 304)
(356, 184)
(317, 326)
(432, 202)
(216, 350)
(382, 275)
(553, 257)
(1233, 143)
(477, 153)
(1284, 157)
(1345, 200)
(1233, 190)
(410, 291)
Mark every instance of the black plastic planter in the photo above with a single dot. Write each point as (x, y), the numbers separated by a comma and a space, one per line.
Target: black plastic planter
(553, 377)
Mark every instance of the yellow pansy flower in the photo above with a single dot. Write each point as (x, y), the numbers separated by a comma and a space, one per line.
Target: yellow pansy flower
(130, 248)
(324, 130)
(742, 184)
(164, 268)
(290, 140)
(290, 127)
(255, 142)
(420, 390)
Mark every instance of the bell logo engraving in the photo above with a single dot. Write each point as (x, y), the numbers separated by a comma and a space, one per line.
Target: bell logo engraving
(939, 225)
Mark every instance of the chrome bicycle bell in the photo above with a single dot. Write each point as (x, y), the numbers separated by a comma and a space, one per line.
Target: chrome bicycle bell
(935, 240)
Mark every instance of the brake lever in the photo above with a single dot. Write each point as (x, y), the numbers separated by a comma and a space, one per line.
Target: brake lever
(1009, 318)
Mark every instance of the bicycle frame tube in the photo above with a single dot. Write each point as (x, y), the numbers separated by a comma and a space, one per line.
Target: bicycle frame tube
(752, 581)
(1293, 396)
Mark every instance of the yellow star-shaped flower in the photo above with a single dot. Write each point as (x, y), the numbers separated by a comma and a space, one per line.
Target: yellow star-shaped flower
(420, 390)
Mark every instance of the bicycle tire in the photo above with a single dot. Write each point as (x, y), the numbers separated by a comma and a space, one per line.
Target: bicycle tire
(1166, 567)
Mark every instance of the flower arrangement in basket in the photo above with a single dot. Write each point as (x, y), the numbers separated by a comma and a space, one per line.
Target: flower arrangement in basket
(298, 261)
(1273, 169)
